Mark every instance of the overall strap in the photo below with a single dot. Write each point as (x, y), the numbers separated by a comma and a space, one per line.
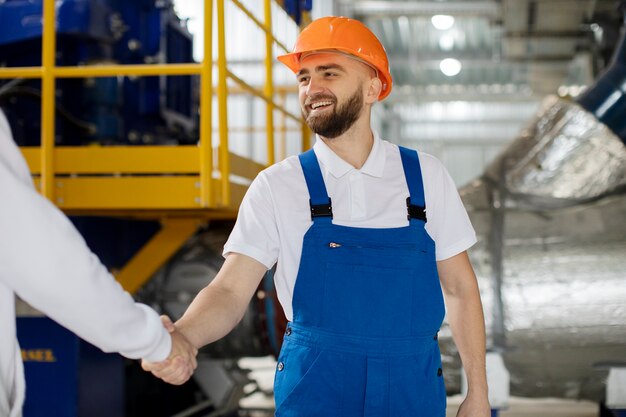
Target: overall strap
(319, 201)
(415, 203)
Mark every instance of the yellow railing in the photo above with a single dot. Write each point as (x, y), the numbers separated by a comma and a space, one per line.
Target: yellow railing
(176, 185)
(208, 196)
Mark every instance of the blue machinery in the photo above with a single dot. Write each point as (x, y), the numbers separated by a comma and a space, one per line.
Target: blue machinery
(106, 110)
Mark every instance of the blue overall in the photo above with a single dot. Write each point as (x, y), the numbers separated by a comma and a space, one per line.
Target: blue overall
(367, 306)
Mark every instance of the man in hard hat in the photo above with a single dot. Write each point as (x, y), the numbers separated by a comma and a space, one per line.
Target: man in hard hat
(45, 261)
(365, 235)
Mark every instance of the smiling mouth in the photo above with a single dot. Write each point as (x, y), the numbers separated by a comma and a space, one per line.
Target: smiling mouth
(320, 104)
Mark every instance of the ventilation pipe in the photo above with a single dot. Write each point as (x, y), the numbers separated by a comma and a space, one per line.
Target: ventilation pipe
(550, 209)
(570, 152)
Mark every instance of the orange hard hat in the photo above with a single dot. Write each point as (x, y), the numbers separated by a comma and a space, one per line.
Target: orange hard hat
(345, 35)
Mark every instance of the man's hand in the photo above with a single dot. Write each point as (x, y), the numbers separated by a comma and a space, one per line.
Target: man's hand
(474, 406)
(180, 364)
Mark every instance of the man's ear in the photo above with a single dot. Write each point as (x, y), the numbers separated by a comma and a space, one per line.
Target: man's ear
(375, 86)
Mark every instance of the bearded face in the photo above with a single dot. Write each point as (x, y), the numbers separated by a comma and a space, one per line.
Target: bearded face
(331, 121)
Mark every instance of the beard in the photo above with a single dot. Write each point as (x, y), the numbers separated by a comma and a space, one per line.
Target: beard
(337, 122)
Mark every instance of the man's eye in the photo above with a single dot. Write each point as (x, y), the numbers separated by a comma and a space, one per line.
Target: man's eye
(330, 74)
(303, 80)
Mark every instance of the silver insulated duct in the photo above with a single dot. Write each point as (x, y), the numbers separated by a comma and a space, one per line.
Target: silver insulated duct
(550, 212)
(564, 157)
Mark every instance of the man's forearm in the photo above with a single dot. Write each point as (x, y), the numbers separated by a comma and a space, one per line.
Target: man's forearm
(465, 316)
(212, 315)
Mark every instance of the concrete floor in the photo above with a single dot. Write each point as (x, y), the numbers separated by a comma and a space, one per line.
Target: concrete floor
(536, 407)
(263, 372)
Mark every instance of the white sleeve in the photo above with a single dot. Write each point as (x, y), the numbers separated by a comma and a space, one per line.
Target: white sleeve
(10, 154)
(448, 223)
(46, 262)
(255, 233)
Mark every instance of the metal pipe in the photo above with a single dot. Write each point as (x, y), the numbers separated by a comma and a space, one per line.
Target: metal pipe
(552, 208)
(495, 242)
(572, 152)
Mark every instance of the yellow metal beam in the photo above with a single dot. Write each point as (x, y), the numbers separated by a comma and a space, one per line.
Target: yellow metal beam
(222, 99)
(138, 193)
(237, 192)
(224, 213)
(21, 72)
(259, 129)
(269, 84)
(173, 234)
(207, 198)
(244, 167)
(306, 137)
(115, 70)
(282, 130)
(118, 159)
(227, 213)
(48, 57)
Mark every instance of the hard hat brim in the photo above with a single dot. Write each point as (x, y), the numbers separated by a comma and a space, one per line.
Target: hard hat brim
(292, 61)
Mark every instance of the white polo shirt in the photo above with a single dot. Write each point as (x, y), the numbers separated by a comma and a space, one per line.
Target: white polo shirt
(274, 215)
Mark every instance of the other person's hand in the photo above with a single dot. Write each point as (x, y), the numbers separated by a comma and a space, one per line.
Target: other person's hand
(180, 364)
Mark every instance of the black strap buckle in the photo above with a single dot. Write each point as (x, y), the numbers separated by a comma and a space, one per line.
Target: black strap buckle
(415, 212)
(321, 210)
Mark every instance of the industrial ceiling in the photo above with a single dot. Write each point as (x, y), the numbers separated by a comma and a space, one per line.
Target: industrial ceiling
(505, 47)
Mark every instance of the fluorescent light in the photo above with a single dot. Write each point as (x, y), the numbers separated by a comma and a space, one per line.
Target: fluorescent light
(450, 66)
(442, 21)
(446, 42)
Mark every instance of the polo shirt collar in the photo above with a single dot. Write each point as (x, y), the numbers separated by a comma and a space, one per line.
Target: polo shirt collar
(374, 165)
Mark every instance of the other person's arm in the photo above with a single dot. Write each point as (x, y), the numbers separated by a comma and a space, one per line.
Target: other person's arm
(46, 262)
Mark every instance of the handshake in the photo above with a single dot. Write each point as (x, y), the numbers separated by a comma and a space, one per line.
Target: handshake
(180, 364)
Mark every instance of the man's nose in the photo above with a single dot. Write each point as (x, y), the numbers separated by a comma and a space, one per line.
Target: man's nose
(313, 87)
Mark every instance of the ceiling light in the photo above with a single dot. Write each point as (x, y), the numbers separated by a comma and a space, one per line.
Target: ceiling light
(442, 21)
(446, 42)
(450, 66)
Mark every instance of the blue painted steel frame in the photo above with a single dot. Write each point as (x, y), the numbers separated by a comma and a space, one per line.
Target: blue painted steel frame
(66, 376)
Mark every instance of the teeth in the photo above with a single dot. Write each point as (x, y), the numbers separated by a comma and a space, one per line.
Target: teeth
(321, 103)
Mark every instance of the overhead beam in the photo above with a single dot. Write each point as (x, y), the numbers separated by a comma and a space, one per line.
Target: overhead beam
(491, 9)
(432, 61)
(473, 94)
